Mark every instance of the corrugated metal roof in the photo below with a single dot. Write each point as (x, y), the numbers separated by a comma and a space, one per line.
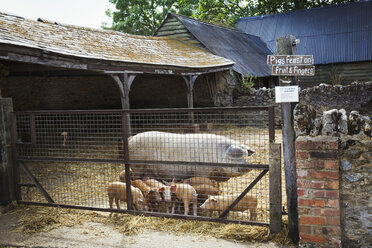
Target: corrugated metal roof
(104, 44)
(248, 52)
(334, 34)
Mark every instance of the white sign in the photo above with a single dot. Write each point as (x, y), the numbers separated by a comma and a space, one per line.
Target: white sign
(286, 94)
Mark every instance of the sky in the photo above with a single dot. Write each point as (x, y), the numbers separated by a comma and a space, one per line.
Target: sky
(87, 13)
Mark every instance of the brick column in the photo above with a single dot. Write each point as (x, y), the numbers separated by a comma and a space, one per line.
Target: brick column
(317, 164)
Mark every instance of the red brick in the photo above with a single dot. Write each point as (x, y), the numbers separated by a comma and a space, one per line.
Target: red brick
(331, 212)
(327, 231)
(302, 155)
(306, 229)
(333, 145)
(326, 212)
(312, 220)
(324, 175)
(301, 192)
(312, 239)
(333, 203)
(319, 194)
(301, 173)
(317, 184)
(331, 164)
(311, 203)
(333, 220)
(332, 194)
(304, 145)
(302, 183)
(331, 185)
(305, 211)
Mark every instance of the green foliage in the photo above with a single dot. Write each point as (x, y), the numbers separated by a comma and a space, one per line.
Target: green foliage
(274, 6)
(245, 84)
(143, 17)
(334, 76)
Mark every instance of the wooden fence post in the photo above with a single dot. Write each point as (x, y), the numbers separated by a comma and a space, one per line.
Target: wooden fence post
(7, 193)
(286, 45)
(275, 179)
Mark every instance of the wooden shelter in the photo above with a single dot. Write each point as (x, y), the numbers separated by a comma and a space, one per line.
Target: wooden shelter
(48, 65)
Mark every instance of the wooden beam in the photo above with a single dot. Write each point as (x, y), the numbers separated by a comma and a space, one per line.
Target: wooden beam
(190, 81)
(286, 46)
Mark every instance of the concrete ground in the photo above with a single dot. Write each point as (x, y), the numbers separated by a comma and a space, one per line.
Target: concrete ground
(91, 234)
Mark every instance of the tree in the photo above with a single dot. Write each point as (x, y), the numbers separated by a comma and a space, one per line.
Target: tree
(145, 16)
(274, 6)
(141, 17)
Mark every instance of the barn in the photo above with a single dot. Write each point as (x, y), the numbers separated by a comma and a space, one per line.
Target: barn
(46, 65)
(248, 51)
(338, 36)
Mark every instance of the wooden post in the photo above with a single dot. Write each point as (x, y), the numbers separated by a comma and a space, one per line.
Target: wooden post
(286, 45)
(190, 81)
(275, 179)
(7, 190)
(124, 82)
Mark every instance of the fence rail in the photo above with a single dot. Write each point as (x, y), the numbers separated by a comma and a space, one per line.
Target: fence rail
(79, 159)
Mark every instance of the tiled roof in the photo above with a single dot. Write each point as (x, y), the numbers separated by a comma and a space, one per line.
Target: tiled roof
(104, 44)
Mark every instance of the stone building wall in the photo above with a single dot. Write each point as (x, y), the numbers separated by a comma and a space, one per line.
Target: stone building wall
(356, 96)
(356, 189)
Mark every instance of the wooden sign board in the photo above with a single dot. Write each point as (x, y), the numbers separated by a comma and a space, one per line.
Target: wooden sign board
(290, 60)
(293, 70)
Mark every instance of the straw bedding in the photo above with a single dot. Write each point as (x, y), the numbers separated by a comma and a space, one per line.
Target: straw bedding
(35, 219)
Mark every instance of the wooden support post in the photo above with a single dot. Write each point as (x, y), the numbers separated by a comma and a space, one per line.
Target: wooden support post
(124, 82)
(7, 189)
(286, 45)
(275, 179)
(190, 81)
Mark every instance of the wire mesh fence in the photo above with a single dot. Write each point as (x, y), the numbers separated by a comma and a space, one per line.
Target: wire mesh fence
(182, 162)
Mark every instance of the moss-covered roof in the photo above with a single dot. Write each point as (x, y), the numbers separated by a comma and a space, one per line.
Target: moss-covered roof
(104, 44)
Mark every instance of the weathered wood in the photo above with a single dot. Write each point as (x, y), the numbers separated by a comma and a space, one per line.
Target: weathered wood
(35, 56)
(190, 81)
(286, 46)
(275, 179)
(7, 190)
(124, 83)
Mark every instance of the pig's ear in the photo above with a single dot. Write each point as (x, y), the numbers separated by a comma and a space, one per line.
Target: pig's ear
(161, 189)
(249, 151)
(173, 188)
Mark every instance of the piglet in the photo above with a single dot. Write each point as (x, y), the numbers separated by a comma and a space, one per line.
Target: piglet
(222, 202)
(152, 195)
(183, 192)
(117, 191)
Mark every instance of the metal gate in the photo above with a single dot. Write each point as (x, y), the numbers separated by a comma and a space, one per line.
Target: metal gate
(78, 159)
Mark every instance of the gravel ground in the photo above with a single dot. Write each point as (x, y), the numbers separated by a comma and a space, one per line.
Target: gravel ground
(91, 234)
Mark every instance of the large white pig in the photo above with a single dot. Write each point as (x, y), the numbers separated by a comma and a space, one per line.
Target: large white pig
(201, 147)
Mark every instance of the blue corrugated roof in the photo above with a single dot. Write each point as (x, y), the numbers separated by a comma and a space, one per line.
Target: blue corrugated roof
(334, 34)
(248, 52)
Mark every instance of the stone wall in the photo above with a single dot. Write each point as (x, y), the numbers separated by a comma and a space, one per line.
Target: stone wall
(356, 189)
(356, 96)
(334, 190)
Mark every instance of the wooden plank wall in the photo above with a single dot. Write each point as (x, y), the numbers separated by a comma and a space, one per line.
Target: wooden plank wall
(348, 73)
(174, 28)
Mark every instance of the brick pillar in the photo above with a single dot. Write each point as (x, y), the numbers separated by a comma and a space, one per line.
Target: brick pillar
(317, 164)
